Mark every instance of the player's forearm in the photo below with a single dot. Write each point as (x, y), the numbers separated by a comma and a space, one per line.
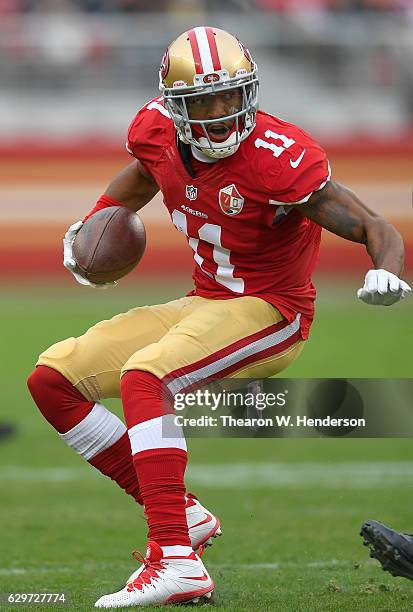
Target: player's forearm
(132, 187)
(385, 246)
(340, 211)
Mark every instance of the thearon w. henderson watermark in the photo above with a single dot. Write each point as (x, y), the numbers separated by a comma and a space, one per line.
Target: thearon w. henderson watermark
(281, 407)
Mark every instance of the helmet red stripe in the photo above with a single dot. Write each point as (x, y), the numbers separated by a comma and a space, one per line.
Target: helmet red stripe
(195, 51)
(213, 48)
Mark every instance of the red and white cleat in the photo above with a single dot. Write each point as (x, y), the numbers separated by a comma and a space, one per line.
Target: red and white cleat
(162, 581)
(202, 527)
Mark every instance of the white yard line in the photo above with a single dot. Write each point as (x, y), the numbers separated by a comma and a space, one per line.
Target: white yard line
(282, 565)
(29, 474)
(320, 564)
(20, 571)
(343, 475)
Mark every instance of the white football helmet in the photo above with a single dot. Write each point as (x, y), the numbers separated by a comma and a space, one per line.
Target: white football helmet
(207, 60)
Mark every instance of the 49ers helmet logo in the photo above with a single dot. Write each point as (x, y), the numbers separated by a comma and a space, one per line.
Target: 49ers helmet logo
(164, 69)
(230, 200)
(246, 52)
(211, 78)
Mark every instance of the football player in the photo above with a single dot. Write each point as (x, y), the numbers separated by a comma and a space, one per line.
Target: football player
(251, 194)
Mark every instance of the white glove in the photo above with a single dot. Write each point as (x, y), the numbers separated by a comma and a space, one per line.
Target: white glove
(382, 288)
(69, 261)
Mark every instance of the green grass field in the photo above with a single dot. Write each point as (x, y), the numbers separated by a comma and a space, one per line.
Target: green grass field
(290, 508)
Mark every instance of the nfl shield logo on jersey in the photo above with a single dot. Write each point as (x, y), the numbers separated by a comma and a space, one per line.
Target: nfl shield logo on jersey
(191, 192)
(230, 200)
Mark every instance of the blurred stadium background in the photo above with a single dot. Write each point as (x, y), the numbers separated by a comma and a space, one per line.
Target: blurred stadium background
(73, 74)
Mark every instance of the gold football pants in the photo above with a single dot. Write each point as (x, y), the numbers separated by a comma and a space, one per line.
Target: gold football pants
(188, 340)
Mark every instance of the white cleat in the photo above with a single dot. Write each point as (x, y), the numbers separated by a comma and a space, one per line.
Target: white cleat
(202, 527)
(163, 580)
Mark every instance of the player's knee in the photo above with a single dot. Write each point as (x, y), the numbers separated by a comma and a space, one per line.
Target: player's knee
(42, 383)
(38, 382)
(151, 359)
(141, 394)
(57, 352)
(57, 399)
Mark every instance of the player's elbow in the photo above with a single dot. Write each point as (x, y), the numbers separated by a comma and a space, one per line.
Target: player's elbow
(382, 234)
(380, 227)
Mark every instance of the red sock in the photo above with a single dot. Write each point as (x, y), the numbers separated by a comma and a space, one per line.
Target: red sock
(116, 463)
(161, 476)
(67, 411)
(160, 469)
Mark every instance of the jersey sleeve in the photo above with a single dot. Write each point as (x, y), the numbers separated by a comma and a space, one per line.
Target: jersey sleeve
(303, 169)
(146, 134)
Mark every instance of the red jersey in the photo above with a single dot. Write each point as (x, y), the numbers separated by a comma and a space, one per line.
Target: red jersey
(235, 214)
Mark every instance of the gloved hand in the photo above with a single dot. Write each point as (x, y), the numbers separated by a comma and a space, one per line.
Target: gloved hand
(382, 288)
(69, 261)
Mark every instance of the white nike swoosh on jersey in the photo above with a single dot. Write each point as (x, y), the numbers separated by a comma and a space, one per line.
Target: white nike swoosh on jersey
(297, 162)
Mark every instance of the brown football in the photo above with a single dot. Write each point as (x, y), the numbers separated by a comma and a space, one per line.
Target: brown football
(109, 244)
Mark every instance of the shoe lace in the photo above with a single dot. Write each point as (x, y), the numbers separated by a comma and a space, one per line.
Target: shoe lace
(200, 551)
(191, 496)
(152, 569)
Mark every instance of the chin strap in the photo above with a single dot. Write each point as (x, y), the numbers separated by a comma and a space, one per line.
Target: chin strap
(225, 149)
(201, 156)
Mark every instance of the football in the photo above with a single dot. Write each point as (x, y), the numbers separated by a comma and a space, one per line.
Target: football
(109, 244)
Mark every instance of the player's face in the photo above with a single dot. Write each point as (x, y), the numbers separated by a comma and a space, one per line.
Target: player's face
(215, 106)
